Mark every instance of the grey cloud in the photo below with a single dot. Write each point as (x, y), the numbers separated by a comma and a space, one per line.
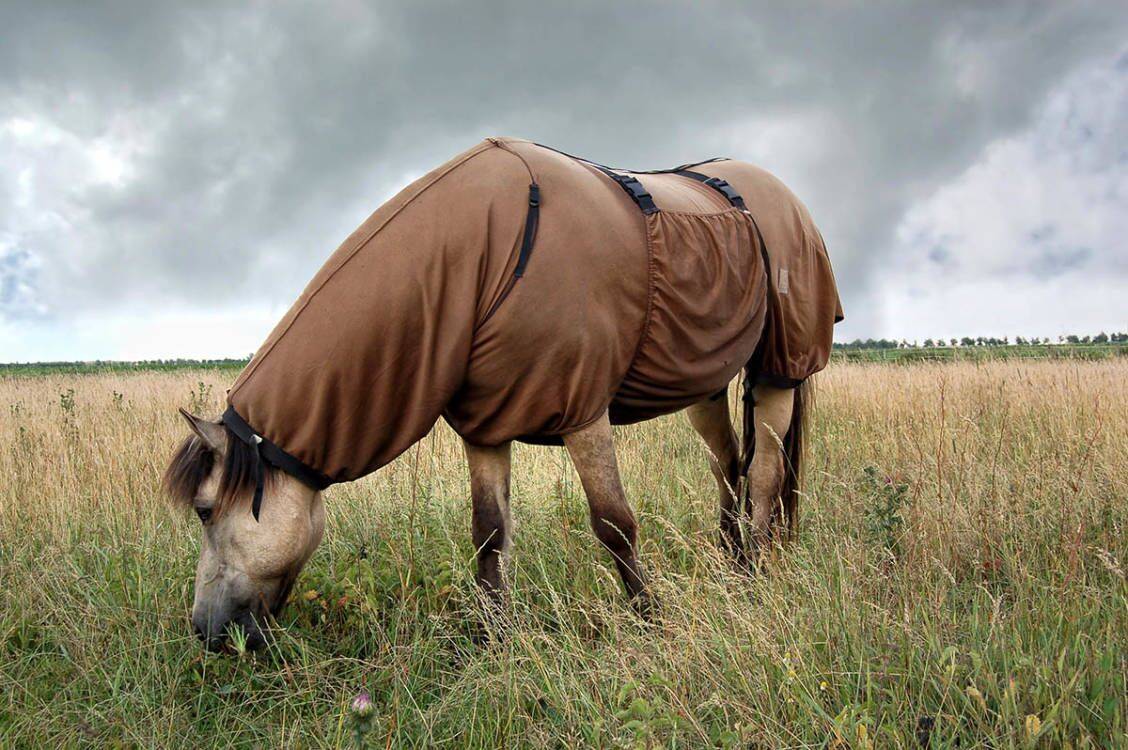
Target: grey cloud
(1055, 262)
(258, 136)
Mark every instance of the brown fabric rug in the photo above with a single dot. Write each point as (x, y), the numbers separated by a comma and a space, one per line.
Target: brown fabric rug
(421, 314)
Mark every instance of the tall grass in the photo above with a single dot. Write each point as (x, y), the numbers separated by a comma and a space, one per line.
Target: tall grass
(958, 580)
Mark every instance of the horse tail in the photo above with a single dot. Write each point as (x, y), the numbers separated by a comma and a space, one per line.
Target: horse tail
(787, 511)
(793, 457)
(748, 427)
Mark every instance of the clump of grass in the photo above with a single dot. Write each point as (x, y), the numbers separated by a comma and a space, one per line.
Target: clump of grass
(883, 519)
(998, 620)
(200, 398)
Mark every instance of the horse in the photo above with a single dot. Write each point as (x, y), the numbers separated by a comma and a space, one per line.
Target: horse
(520, 294)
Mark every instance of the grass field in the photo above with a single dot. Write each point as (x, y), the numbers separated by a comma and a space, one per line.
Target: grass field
(958, 580)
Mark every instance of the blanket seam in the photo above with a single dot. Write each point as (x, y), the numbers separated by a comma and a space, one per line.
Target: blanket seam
(651, 288)
(345, 262)
(709, 215)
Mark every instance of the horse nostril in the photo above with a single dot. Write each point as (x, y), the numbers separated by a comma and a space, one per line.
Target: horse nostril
(198, 631)
(216, 645)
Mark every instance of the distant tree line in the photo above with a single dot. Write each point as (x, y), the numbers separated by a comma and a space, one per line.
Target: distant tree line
(968, 341)
(100, 365)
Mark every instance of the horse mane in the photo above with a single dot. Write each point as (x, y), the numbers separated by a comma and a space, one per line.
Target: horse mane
(193, 462)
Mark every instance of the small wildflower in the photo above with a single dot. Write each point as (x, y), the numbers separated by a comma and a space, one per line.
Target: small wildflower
(363, 711)
(310, 595)
(1033, 725)
(362, 705)
(823, 686)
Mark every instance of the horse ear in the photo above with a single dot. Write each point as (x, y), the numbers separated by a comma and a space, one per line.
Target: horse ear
(211, 433)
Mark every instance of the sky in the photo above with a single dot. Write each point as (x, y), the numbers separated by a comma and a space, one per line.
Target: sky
(172, 175)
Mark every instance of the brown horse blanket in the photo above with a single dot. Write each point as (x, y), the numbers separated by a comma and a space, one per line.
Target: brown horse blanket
(519, 293)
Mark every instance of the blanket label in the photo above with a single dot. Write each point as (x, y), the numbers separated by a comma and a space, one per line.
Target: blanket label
(784, 284)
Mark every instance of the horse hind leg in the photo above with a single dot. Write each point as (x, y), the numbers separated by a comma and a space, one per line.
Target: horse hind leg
(767, 471)
(711, 420)
(593, 454)
(490, 526)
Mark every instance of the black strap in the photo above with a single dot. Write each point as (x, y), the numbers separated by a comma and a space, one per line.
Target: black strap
(678, 168)
(638, 193)
(717, 184)
(727, 190)
(633, 187)
(260, 477)
(530, 236)
(272, 454)
(627, 182)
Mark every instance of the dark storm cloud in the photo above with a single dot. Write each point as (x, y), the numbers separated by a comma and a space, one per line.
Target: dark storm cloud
(247, 142)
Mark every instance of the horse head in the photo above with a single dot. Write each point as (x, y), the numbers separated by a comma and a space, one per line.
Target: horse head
(247, 565)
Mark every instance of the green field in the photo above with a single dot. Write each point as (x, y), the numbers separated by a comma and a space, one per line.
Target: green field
(958, 580)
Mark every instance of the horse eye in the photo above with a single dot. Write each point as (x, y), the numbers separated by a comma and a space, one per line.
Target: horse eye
(203, 513)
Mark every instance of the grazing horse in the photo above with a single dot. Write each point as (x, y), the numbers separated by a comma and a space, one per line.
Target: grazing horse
(521, 294)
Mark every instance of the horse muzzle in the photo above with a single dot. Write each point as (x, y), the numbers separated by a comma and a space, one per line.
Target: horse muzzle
(217, 630)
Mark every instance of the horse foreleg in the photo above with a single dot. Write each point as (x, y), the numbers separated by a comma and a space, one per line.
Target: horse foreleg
(593, 454)
(772, 415)
(711, 420)
(490, 526)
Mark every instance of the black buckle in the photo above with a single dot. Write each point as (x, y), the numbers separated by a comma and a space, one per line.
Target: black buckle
(534, 195)
(633, 187)
(729, 191)
(632, 184)
(644, 199)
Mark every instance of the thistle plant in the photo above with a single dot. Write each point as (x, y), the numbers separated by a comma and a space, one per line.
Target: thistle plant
(883, 517)
(362, 712)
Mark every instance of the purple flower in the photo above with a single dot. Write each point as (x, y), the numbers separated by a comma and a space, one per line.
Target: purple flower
(362, 706)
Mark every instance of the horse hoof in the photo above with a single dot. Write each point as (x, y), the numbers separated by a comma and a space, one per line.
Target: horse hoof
(490, 624)
(645, 608)
(485, 634)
